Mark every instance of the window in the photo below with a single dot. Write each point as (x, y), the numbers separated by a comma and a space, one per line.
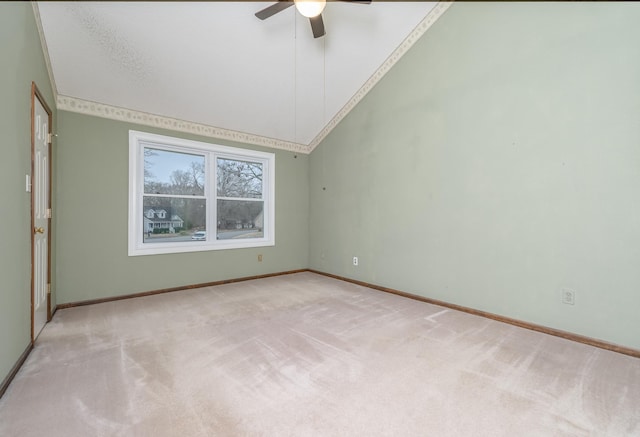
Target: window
(187, 196)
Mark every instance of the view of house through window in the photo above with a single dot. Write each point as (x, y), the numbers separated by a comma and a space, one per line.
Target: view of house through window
(174, 203)
(187, 196)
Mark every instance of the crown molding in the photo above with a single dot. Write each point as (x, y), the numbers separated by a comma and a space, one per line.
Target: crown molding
(398, 53)
(45, 49)
(73, 104)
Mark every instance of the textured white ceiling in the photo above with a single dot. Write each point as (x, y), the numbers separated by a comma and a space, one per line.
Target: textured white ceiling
(216, 64)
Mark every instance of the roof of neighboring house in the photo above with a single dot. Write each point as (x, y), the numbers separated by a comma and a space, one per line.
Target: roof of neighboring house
(169, 216)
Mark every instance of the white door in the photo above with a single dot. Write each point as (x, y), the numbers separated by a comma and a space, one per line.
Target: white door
(41, 211)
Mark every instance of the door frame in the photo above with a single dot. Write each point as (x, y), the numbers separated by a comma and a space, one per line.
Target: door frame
(35, 94)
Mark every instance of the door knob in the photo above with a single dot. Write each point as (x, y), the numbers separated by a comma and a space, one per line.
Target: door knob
(39, 230)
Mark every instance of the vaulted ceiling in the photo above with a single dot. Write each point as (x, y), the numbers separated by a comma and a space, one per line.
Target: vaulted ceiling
(214, 69)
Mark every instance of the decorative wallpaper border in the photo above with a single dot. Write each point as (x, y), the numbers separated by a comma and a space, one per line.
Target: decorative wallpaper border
(73, 104)
(398, 53)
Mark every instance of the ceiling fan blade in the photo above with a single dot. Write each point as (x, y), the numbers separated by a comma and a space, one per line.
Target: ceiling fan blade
(317, 26)
(274, 9)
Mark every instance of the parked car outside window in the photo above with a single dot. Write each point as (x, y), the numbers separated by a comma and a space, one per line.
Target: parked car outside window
(200, 235)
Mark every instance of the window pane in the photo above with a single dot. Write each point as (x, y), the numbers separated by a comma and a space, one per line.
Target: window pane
(239, 179)
(167, 220)
(173, 173)
(240, 219)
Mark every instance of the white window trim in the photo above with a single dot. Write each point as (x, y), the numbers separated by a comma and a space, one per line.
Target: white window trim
(137, 142)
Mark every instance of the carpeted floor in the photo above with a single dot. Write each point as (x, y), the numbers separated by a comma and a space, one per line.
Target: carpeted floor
(307, 355)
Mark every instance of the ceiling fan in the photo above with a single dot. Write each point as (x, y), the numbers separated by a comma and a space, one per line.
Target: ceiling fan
(311, 9)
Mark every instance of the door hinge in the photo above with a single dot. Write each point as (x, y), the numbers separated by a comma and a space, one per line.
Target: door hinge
(49, 288)
(47, 214)
(49, 138)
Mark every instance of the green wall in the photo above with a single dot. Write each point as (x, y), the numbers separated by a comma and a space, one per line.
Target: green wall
(22, 62)
(92, 201)
(497, 163)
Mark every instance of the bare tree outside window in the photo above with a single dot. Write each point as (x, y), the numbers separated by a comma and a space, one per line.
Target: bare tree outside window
(241, 179)
(240, 205)
(167, 172)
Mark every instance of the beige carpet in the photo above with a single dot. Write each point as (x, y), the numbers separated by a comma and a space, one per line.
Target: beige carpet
(306, 355)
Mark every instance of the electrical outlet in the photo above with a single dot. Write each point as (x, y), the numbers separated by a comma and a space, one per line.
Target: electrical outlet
(568, 296)
(355, 260)
(260, 258)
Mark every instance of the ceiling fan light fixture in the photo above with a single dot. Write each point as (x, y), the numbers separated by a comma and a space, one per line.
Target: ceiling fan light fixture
(310, 8)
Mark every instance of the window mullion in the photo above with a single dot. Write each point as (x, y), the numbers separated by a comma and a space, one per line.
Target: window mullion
(174, 196)
(244, 199)
(211, 191)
